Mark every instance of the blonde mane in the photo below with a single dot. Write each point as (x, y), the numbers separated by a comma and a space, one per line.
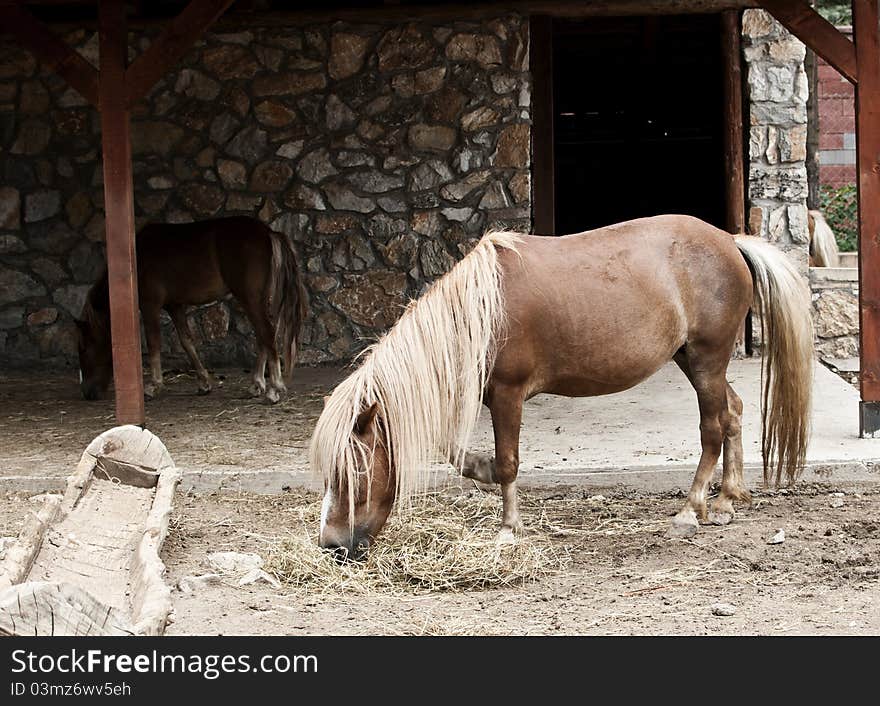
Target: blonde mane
(426, 375)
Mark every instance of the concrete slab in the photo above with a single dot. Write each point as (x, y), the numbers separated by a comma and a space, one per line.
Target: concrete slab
(639, 435)
(646, 438)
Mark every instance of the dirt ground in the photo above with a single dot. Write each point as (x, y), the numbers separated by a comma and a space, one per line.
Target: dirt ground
(824, 578)
(623, 575)
(45, 424)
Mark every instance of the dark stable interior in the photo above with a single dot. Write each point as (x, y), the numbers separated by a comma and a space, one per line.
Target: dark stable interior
(638, 120)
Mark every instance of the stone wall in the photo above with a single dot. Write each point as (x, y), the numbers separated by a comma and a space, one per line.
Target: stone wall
(778, 92)
(836, 311)
(383, 151)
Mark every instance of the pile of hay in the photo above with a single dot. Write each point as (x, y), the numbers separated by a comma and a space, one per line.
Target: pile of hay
(441, 543)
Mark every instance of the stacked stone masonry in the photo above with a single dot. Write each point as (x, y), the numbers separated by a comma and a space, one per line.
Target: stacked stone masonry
(836, 311)
(382, 151)
(778, 92)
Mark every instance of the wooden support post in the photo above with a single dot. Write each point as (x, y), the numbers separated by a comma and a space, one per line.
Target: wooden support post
(867, 40)
(734, 157)
(733, 122)
(543, 113)
(119, 212)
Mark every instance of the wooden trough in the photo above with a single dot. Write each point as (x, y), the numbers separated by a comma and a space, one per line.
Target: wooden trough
(88, 563)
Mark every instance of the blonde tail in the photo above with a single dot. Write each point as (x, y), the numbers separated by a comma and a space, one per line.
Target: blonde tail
(823, 244)
(782, 300)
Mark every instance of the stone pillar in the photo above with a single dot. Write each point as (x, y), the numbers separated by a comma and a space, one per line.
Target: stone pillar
(778, 93)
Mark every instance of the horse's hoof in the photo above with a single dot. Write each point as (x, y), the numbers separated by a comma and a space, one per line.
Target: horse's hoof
(273, 396)
(506, 536)
(684, 525)
(720, 517)
(257, 391)
(203, 391)
(151, 392)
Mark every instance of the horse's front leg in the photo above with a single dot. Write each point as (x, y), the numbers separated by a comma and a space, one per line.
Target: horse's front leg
(153, 331)
(178, 316)
(505, 404)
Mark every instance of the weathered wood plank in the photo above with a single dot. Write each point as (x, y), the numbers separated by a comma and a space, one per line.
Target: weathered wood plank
(92, 565)
(20, 556)
(41, 608)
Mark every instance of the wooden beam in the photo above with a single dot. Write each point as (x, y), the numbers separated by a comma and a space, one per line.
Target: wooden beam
(817, 33)
(867, 42)
(543, 113)
(734, 158)
(52, 51)
(171, 46)
(125, 327)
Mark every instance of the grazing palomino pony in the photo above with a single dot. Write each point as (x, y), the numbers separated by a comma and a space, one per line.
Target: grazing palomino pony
(197, 263)
(823, 244)
(579, 315)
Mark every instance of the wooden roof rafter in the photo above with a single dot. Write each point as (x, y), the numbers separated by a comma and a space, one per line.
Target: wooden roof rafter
(51, 50)
(802, 20)
(171, 46)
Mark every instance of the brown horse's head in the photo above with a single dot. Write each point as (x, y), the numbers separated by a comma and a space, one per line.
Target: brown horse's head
(95, 351)
(357, 502)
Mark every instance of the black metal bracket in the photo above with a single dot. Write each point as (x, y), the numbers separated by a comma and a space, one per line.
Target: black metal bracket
(869, 419)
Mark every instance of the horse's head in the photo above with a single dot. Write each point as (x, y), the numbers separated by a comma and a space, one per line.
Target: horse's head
(358, 500)
(95, 355)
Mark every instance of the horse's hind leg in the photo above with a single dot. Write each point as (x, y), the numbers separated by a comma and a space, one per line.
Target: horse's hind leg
(707, 375)
(267, 353)
(258, 389)
(153, 331)
(178, 316)
(276, 389)
(721, 510)
(505, 404)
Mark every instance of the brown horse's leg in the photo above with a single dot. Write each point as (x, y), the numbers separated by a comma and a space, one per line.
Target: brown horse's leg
(254, 306)
(733, 487)
(505, 404)
(178, 316)
(153, 331)
(277, 389)
(708, 378)
(258, 389)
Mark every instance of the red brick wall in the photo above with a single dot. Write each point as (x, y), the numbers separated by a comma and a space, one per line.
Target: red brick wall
(837, 132)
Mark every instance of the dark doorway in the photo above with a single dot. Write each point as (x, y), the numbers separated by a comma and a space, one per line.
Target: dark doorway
(638, 120)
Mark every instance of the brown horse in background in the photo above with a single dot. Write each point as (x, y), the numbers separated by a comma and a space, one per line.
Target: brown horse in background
(197, 263)
(579, 315)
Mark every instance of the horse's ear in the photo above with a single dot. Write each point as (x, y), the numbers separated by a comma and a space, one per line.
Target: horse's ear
(366, 419)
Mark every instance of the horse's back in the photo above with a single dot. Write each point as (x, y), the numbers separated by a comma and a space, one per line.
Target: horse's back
(199, 262)
(597, 312)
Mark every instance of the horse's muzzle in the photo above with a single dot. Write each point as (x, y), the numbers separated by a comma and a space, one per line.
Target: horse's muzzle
(353, 549)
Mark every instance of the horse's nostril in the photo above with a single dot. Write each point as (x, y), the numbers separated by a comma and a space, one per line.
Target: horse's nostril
(340, 554)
